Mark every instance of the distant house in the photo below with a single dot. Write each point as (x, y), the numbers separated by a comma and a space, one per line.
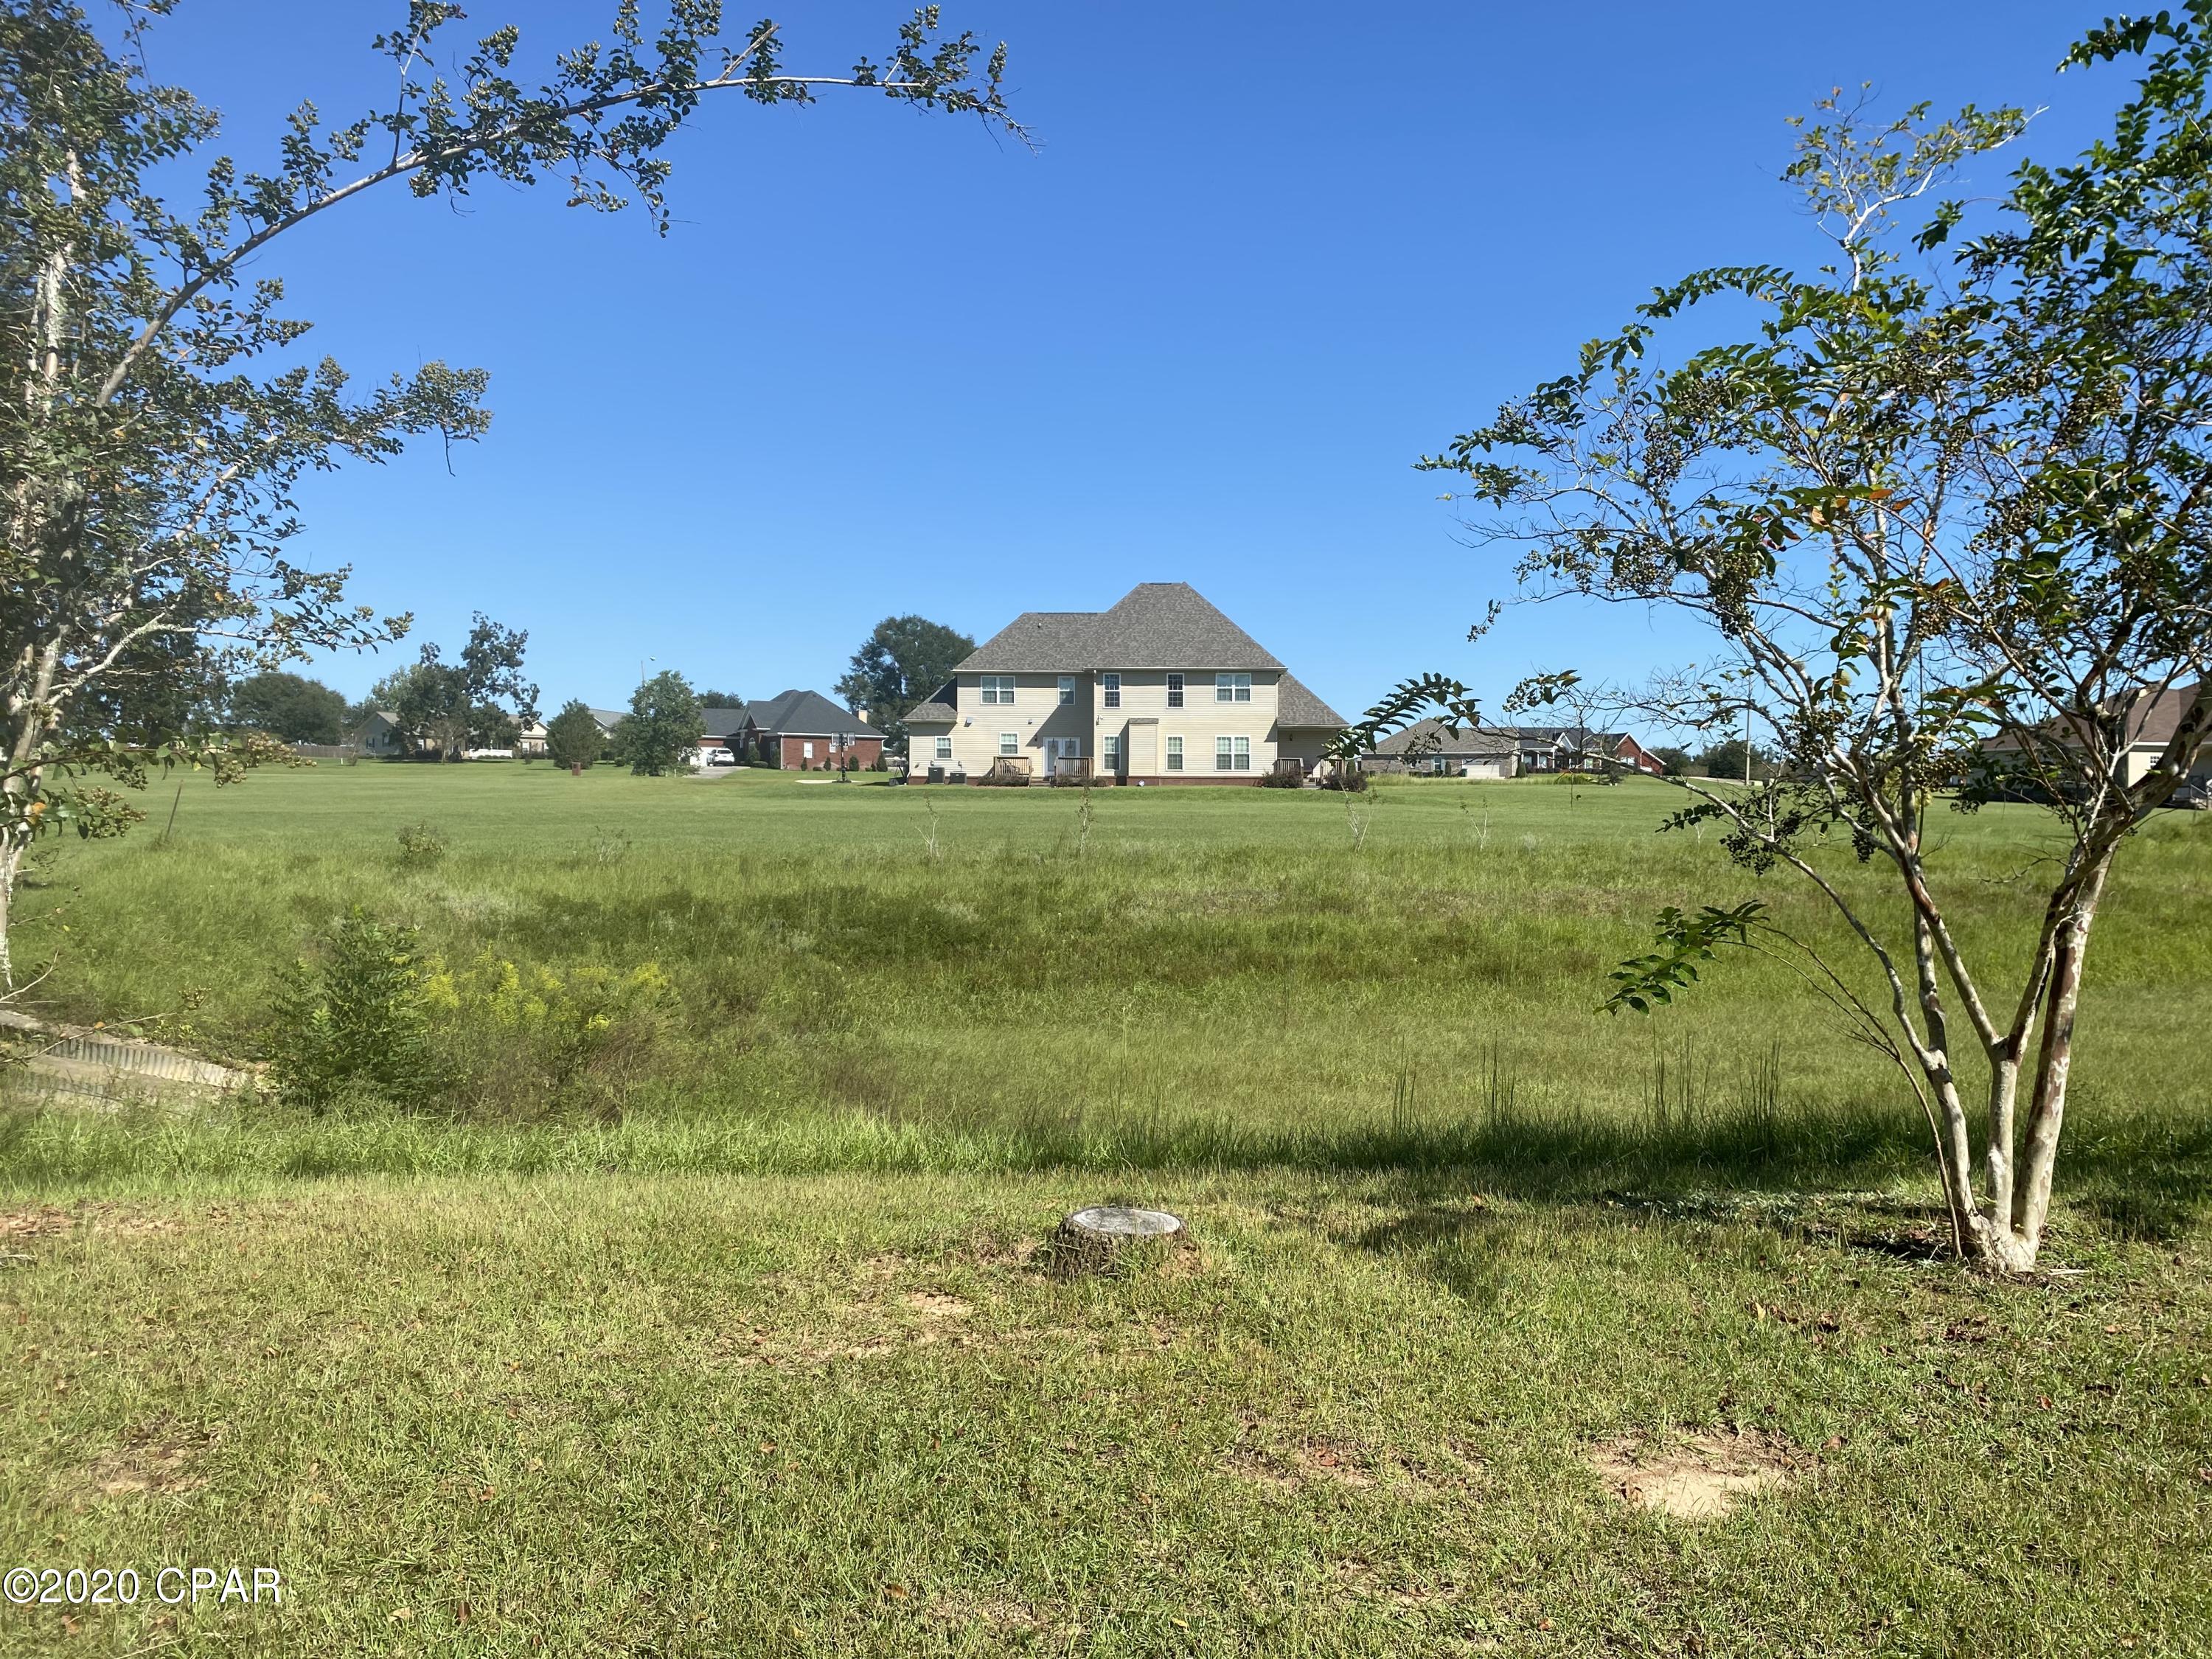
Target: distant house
(609, 718)
(531, 741)
(1440, 749)
(1432, 746)
(380, 735)
(1579, 749)
(798, 732)
(2143, 722)
(1161, 688)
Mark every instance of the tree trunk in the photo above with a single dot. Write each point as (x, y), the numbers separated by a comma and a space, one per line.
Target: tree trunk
(11, 860)
(1113, 1239)
(2046, 1110)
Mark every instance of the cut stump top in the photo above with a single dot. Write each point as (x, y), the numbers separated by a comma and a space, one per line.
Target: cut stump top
(1119, 1221)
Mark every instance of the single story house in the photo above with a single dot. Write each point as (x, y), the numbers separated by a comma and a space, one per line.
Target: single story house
(1161, 688)
(1506, 751)
(1438, 749)
(803, 731)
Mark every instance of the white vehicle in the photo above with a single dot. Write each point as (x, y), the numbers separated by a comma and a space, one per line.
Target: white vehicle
(718, 756)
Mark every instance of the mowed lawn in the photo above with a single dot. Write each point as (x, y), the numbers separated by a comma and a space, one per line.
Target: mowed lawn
(764, 1361)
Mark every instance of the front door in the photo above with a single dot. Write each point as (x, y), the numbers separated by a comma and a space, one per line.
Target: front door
(1057, 750)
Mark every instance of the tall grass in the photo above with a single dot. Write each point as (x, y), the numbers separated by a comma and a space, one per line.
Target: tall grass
(876, 978)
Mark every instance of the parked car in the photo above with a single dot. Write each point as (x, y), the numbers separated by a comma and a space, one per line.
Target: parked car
(718, 755)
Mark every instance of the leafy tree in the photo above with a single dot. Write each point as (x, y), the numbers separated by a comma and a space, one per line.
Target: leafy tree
(905, 660)
(1943, 526)
(1726, 759)
(148, 463)
(290, 706)
(479, 702)
(663, 725)
(1673, 762)
(573, 738)
(721, 700)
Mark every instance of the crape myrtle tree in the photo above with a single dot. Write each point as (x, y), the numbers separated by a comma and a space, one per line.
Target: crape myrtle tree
(157, 418)
(1947, 516)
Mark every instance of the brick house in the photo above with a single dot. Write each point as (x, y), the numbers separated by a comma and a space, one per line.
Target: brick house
(803, 731)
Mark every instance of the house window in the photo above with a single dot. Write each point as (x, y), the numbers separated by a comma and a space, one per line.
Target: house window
(1009, 743)
(806, 750)
(1066, 690)
(999, 687)
(1175, 744)
(1232, 754)
(1110, 685)
(1233, 688)
(1110, 751)
(945, 748)
(1175, 690)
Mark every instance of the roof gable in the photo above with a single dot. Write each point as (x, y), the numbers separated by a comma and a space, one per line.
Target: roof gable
(1154, 625)
(807, 714)
(1170, 625)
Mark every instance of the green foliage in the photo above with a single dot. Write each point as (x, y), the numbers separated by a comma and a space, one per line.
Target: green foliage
(1726, 760)
(353, 1024)
(447, 708)
(905, 660)
(152, 457)
(290, 706)
(1684, 941)
(663, 726)
(573, 738)
(1677, 761)
(529, 1043)
(420, 844)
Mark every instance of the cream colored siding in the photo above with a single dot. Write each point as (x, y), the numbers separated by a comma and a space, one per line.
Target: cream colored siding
(1198, 722)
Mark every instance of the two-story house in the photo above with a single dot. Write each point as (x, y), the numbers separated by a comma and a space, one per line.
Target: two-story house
(1161, 689)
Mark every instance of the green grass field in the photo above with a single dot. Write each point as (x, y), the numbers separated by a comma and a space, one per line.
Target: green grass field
(757, 1358)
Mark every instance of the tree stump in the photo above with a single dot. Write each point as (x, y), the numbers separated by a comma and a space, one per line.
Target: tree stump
(1113, 1239)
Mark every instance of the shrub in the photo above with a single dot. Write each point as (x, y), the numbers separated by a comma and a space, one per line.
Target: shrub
(420, 844)
(1351, 783)
(355, 1023)
(1282, 777)
(529, 1043)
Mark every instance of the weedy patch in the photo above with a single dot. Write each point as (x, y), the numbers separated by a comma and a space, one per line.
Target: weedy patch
(1701, 1478)
(157, 1459)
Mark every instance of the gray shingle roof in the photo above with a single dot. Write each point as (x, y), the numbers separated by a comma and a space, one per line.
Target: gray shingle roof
(806, 714)
(1035, 642)
(1169, 625)
(942, 705)
(1155, 625)
(610, 718)
(1297, 706)
(1434, 737)
(721, 722)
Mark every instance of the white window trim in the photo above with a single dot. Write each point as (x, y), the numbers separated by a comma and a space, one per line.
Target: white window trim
(1010, 745)
(997, 690)
(1175, 690)
(1109, 690)
(1175, 751)
(943, 750)
(1066, 690)
(1233, 688)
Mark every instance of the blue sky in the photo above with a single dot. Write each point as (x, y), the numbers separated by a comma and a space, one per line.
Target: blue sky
(1267, 253)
